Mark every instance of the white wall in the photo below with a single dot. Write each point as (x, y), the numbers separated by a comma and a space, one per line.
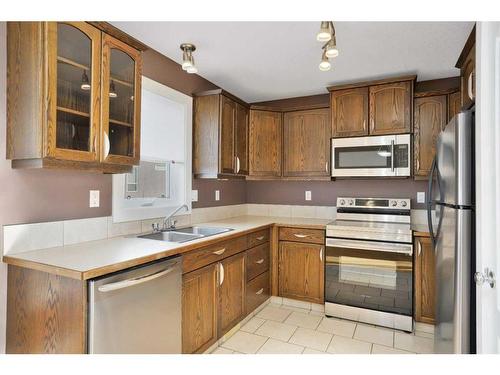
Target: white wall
(3, 92)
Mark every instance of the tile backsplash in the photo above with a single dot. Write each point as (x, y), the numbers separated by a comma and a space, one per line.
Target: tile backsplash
(26, 237)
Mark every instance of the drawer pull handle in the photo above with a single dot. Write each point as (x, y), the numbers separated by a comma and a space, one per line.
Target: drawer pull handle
(260, 261)
(219, 252)
(259, 291)
(300, 235)
(260, 238)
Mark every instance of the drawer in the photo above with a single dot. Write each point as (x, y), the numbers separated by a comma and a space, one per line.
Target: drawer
(302, 235)
(199, 258)
(257, 260)
(257, 291)
(258, 238)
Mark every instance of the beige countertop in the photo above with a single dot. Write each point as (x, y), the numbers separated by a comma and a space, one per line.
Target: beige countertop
(91, 259)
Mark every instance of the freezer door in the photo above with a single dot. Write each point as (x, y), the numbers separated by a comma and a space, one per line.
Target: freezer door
(453, 277)
(137, 311)
(454, 161)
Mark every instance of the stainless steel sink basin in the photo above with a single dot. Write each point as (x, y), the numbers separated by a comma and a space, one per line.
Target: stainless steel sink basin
(171, 236)
(204, 231)
(185, 234)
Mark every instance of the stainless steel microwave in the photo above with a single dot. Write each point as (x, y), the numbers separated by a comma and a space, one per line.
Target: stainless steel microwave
(384, 156)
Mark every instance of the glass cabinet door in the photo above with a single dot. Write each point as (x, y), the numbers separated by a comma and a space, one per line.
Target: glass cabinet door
(120, 102)
(73, 82)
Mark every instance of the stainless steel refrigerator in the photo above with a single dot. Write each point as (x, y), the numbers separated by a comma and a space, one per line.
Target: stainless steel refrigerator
(451, 197)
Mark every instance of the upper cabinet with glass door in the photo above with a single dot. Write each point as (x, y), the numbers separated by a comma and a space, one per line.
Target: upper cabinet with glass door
(73, 98)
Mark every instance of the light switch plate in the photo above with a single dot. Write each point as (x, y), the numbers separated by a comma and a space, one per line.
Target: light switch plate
(308, 195)
(194, 195)
(217, 195)
(93, 198)
(421, 197)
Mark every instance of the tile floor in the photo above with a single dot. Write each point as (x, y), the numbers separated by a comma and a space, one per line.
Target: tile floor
(285, 329)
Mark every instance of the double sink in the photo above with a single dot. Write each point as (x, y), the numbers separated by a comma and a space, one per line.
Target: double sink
(185, 234)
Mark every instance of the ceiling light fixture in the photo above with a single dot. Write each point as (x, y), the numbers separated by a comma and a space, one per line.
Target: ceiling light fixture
(331, 48)
(324, 33)
(85, 86)
(324, 65)
(187, 58)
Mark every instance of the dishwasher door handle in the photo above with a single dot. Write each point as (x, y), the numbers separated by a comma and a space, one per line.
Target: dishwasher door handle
(135, 281)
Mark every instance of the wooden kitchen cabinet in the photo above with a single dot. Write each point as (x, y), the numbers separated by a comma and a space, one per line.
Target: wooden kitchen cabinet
(220, 135)
(349, 108)
(232, 292)
(390, 108)
(59, 109)
(265, 143)
(200, 304)
(425, 280)
(430, 117)
(454, 104)
(301, 271)
(306, 143)
(467, 65)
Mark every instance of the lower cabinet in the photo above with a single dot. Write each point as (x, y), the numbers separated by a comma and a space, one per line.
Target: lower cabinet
(200, 295)
(232, 295)
(425, 280)
(301, 271)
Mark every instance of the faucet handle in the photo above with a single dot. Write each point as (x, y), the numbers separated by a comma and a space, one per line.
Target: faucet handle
(173, 224)
(156, 227)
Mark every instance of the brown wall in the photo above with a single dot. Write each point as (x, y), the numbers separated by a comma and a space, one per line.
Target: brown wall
(325, 193)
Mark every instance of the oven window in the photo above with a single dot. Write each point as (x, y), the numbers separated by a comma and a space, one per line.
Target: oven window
(362, 157)
(374, 280)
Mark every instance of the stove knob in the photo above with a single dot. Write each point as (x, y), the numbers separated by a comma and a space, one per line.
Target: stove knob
(403, 203)
(351, 202)
(394, 203)
(342, 202)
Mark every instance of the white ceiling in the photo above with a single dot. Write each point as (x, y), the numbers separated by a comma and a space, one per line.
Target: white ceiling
(260, 61)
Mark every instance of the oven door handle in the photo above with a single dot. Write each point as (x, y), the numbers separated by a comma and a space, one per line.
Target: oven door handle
(388, 247)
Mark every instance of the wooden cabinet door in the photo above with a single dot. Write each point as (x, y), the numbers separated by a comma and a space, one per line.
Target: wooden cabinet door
(430, 118)
(74, 72)
(301, 271)
(226, 146)
(390, 108)
(468, 78)
(349, 112)
(265, 143)
(199, 309)
(232, 281)
(425, 280)
(241, 140)
(454, 104)
(120, 102)
(306, 143)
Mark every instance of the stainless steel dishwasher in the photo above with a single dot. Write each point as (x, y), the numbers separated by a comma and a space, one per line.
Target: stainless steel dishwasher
(137, 311)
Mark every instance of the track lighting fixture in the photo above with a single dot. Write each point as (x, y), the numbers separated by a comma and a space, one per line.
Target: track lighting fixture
(327, 34)
(331, 48)
(187, 58)
(324, 33)
(324, 65)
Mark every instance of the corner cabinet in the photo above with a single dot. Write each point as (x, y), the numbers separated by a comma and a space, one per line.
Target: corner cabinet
(265, 143)
(220, 135)
(65, 80)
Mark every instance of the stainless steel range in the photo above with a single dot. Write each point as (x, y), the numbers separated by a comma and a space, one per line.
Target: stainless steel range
(369, 262)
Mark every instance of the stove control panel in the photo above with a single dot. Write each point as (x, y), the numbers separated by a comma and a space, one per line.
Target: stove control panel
(374, 203)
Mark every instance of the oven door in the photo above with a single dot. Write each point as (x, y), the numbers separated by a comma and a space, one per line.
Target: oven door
(371, 156)
(369, 274)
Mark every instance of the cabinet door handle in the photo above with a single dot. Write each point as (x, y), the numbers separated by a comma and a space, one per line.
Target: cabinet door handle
(419, 248)
(259, 291)
(326, 167)
(221, 273)
(106, 145)
(364, 124)
(321, 254)
(219, 252)
(469, 87)
(260, 238)
(260, 261)
(418, 165)
(300, 235)
(237, 164)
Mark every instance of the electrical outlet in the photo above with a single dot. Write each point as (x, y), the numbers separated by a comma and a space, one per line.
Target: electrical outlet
(308, 195)
(217, 195)
(194, 196)
(421, 197)
(93, 198)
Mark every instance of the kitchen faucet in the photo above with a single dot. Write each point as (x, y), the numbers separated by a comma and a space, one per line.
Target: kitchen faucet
(167, 222)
